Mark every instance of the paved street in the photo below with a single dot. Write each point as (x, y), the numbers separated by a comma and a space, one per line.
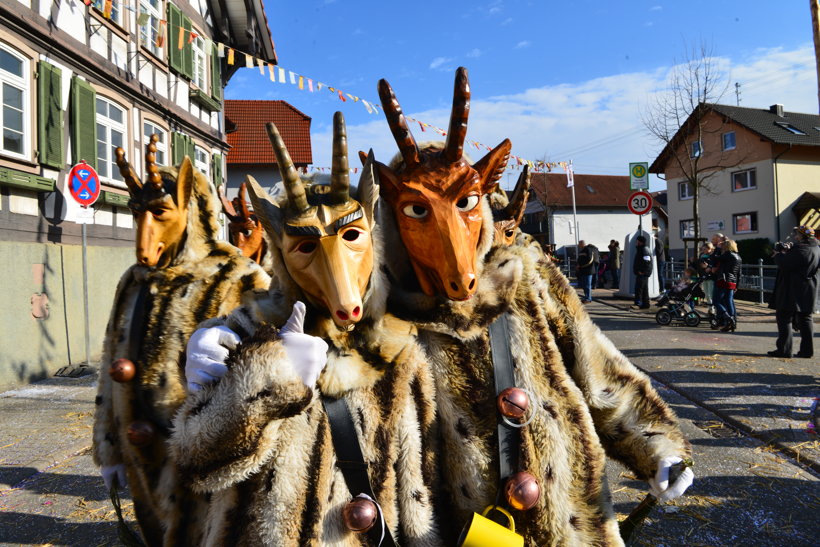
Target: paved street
(748, 491)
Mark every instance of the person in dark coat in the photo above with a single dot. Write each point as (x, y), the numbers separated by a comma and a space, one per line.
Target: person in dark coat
(660, 260)
(727, 276)
(614, 263)
(795, 292)
(587, 268)
(642, 269)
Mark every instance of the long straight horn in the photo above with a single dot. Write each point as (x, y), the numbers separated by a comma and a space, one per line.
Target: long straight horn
(398, 124)
(339, 171)
(127, 172)
(227, 206)
(454, 147)
(151, 162)
(290, 178)
(518, 200)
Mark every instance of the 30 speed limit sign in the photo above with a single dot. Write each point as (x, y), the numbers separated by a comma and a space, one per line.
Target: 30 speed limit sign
(639, 203)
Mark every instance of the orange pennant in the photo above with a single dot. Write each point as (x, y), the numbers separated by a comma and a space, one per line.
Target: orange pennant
(230, 55)
(181, 39)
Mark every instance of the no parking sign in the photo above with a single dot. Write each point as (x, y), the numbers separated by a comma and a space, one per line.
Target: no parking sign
(84, 184)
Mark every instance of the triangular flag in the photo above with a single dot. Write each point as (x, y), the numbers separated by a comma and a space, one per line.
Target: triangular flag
(220, 49)
(342, 97)
(261, 66)
(230, 55)
(248, 61)
(142, 19)
(301, 82)
(281, 75)
(319, 86)
(352, 97)
(272, 74)
(292, 77)
(192, 37)
(161, 34)
(422, 126)
(367, 106)
(310, 85)
(209, 44)
(181, 39)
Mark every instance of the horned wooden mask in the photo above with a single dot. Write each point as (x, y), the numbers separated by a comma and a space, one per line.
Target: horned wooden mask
(435, 195)
(506, 219)
(324, 235)
(160, 206)
(244, 229)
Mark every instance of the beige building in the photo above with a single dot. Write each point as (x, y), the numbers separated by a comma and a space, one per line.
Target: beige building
(761, 169)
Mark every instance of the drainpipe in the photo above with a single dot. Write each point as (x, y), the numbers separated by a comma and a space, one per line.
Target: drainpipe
(776, 196)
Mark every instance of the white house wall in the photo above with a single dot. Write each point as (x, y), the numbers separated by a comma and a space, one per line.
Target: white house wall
(597, 227)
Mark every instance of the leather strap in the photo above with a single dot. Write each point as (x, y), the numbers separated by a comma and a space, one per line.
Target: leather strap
(350, 460)
(509, 438)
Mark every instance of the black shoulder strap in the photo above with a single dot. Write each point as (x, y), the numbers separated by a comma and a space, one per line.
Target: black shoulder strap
(509, 438)
(349, 458)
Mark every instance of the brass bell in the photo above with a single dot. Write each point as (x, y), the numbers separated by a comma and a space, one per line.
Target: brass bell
(360, 514)
(522, 491)
(141, 433)
(122, 370)
(513, 403)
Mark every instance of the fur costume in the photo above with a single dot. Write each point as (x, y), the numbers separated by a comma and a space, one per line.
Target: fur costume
(590, 401)
(206, 278)
(258, 442)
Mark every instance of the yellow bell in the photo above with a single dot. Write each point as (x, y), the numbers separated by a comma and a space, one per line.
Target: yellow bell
(483, 532)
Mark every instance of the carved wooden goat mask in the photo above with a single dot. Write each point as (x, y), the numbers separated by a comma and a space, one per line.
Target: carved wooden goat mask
(160, 207)
(244, 229)
(436, 196)
(509, 217)
(323, 234)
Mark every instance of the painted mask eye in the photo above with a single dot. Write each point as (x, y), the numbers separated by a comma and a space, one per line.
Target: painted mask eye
(509, 233)
(467, 203)
(351, 235)
(306, 247)
(415, 211)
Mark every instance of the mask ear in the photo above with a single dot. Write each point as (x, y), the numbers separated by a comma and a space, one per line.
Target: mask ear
(491, 167)
(369, 186)
(268, 213)
(185, 183)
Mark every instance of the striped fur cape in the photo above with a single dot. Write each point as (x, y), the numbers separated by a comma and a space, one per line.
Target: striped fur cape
(154, 313)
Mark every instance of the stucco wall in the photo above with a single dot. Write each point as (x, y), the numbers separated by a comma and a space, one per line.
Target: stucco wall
(796, 174)
(595, 227)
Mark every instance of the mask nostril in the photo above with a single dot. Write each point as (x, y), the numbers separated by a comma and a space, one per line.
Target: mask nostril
(356, 311)
(453, 285)
(472, 284)
(341, 315)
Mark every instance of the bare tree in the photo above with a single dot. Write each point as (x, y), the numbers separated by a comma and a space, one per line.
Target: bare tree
(682, 114)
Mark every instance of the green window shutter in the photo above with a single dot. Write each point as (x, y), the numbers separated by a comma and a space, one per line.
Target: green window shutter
(190, 149)
(177, 148)
(216, 74)
(50, 115)
(83, 122)
(175, 55)
(187, 50)
(217, 169)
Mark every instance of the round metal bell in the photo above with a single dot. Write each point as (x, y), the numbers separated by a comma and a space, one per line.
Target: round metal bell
(122, 370)
(141, 433)
(522, 491)
(360, 514)
(513, 403)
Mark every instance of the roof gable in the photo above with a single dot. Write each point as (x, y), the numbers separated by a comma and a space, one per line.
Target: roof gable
(249, 140)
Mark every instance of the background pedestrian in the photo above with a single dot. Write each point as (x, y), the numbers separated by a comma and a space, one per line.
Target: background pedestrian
(642, 269)
(587, 267)
(727, 277)
(615, 263)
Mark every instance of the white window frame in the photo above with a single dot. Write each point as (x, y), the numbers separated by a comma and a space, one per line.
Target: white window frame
(23, 83)
(687, 229)
(750, 176)
(149, 31)
(116, 12)
(695, 149)
(112, 172)
(685, 191)
(200, 64)
(202, 163)
(753, 222)
(149, 128)
(734, 140)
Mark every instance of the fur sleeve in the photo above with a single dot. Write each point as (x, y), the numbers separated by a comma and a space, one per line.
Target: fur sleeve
(227, 431)
(634, 424)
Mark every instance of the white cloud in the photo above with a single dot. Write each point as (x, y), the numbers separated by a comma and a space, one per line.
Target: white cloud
(474, 53)
(656, 8)
(441, 63)
(522, 44)
(506, 21)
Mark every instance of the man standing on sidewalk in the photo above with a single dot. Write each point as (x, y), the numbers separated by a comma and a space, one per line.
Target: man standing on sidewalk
(587, 267)
(795, 292)
(615, 263)
(642, 268)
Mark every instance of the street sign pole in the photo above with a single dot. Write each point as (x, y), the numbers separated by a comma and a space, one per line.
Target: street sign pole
(85, 300)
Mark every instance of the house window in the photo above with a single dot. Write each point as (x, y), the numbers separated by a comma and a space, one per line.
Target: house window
(729, 140)
(790, 128)
(201, 161)
(14, 97)
(200, 77)
(687, 228)
(744, 180)
(149, 129)
(116, 14)
(110, 135)
(695, 149)
(744, 223)
(685, 191)
(150, 31)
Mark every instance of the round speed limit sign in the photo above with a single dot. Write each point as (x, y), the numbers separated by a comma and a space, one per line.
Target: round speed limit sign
(639, 203)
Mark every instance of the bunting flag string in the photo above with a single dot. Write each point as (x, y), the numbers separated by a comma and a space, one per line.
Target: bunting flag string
(278, 74)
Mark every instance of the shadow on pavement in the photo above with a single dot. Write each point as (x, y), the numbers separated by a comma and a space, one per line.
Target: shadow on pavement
(27, 528)
(89, 488)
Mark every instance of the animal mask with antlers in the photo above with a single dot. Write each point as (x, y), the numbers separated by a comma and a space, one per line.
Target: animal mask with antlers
(436, 195)
(508, 217)
(324, 235)
(160, 206)
(244, 229)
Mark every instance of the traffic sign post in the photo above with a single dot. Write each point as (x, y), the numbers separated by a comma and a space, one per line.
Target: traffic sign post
(639, 203)
(639, 176)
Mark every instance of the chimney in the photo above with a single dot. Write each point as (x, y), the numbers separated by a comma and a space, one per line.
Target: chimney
(777, 109)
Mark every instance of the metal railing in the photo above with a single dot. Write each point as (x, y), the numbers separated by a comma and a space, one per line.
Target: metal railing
(758, 277)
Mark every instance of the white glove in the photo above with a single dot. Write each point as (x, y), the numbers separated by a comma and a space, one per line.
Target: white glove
(307, 354)
(111, 473)
(660, 487)
(205, 355)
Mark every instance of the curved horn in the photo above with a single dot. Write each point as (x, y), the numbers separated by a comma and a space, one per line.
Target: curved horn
(242, 196)
(290, 178)
(127, 172)
(227, 206)
(454, 147)
(518, 200)
(398, 124)
(339, 171)
(151, 162)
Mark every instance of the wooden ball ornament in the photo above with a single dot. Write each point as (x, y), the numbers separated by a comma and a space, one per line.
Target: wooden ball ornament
(522, 491)
(141, 433)
(513, 403)
(360, 514)
(122, 370)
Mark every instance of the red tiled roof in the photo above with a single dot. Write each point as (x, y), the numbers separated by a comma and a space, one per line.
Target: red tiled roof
(590, 190)
(249, 140)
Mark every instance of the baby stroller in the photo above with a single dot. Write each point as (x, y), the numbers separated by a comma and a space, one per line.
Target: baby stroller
(679, 305)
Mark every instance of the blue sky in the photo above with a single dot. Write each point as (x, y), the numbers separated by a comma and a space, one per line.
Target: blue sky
(563, 80)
